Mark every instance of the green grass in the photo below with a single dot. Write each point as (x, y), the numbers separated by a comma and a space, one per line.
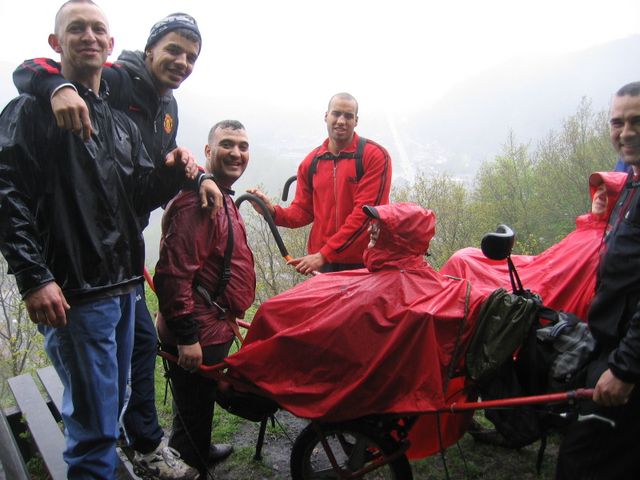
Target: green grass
(242, 464)
(225, 424)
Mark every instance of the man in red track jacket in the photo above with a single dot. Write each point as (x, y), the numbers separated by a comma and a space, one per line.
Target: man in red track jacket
(332, 189)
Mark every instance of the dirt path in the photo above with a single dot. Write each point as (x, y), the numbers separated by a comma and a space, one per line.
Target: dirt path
(275, 453)
(470, 461)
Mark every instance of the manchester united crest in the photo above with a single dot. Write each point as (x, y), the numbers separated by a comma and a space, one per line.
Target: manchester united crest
(168, 123)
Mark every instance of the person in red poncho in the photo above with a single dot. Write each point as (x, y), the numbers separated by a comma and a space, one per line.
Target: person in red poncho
(563, 275)
(383, 339)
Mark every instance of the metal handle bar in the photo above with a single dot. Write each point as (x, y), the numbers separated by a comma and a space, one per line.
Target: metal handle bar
(218, 367)
(269, 219)
(287, 184)
(599, 418)
(571, 395)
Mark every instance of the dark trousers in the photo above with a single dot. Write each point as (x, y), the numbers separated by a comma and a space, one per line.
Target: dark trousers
(141, 418)
(193, 403)
(593, 450)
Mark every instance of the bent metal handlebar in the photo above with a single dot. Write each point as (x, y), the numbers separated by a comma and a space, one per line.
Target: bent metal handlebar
(269, 219)
(287, 185)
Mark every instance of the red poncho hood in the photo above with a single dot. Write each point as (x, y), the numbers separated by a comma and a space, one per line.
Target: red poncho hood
(405, 232)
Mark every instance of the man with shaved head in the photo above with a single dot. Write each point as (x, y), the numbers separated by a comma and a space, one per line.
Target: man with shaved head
(334, 182)
(70, 232)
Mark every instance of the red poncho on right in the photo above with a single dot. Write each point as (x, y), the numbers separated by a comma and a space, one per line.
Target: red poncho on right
(563, 275)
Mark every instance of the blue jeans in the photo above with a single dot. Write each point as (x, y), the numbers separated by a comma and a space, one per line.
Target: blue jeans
(92, 355)
(141, 425)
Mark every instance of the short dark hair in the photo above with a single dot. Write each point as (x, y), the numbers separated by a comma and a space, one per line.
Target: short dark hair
(189, 35)
(344, 96)
(232, 124)
(632, 89)
(64, 5)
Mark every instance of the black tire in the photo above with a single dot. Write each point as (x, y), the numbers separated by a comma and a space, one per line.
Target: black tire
(354, 444)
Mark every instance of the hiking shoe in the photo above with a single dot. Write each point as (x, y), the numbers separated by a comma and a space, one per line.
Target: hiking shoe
(219, 452)
(164, 463)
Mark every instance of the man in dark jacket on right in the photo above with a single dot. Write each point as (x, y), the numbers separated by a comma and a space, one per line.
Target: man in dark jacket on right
(593, 448)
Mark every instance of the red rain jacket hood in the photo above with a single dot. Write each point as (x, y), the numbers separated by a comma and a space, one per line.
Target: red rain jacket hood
(405, 232)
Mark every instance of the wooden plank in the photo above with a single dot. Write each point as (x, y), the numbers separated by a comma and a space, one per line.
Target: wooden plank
(45, 431)
(52, 384)
(10, 457)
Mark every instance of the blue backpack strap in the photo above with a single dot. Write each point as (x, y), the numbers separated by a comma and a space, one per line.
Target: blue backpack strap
(357, 156)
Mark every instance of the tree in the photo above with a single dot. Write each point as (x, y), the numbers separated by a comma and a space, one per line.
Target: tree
(449, 199)
(21, 346)
(273, 275)
(505, 193)
(565, 159)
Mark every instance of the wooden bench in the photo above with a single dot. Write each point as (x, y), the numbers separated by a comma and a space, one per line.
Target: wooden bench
(39, 413)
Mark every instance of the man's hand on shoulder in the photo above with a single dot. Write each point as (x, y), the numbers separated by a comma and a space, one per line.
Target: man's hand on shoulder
(71, 112)
(182, 157)
(210, 196)
(610, 391)
(309, 264)
(47, 305)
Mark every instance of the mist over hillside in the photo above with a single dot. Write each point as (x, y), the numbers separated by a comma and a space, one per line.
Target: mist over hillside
(528, 96)
(456, 134)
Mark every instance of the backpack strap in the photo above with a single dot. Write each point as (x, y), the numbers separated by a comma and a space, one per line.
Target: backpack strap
(212, 300)
(312, 168)
(226, 261)
(359, 153)
(328, 155)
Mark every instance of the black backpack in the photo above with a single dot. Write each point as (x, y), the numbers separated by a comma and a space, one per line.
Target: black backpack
(522, 348)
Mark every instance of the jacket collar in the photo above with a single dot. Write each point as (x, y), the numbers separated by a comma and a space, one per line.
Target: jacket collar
(133, 61)
(351, 148)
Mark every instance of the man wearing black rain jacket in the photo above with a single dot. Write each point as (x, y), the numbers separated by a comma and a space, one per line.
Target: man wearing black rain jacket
(141, 84)
(604, 444)
(70, 232)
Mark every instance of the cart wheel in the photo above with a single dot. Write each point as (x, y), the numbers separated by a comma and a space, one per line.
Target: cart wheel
(354, 446)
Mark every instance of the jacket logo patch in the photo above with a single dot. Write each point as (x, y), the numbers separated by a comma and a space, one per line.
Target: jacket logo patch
(168, 123)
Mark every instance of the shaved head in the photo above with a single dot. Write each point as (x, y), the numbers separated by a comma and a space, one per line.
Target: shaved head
(60, 16)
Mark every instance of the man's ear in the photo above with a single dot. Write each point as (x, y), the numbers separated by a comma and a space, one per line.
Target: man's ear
(54, 43)
(208, 164)
(356, 121)
(111, 43)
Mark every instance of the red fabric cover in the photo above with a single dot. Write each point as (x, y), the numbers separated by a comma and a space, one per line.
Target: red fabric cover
(343, 345)
(564, 275)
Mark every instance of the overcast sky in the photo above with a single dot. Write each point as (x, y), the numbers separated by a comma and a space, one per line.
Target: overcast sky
(389, 54)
